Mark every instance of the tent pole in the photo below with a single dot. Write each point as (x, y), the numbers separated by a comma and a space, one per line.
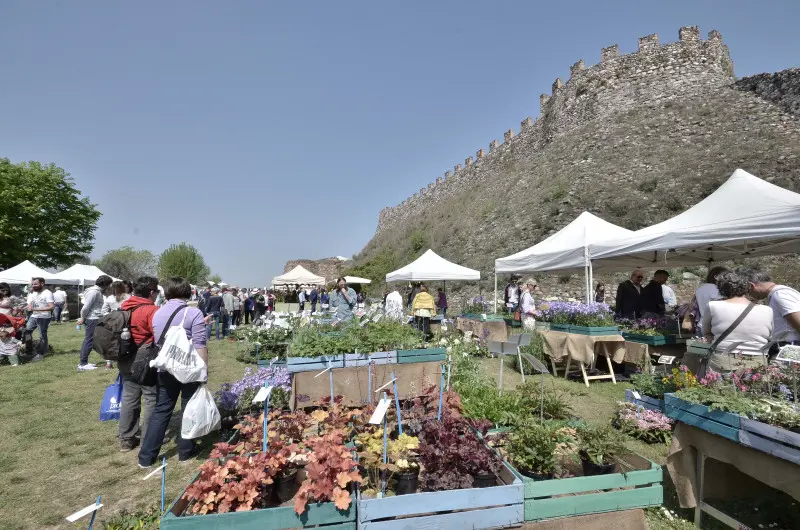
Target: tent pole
(591, 276)
(495, 291)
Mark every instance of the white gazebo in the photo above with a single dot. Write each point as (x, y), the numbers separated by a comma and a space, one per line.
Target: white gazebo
(300, 276)
(23, 273)
(431, 266)
(356, 280)
(80, 274)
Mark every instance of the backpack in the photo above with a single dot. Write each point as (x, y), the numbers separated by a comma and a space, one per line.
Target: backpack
(109, 340)
(141, 372)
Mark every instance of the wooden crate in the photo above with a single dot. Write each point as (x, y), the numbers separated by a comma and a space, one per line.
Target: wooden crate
(560, 327)
(352, 360)
(310, 364)
(652, 340)
(568, 497)
(697, 348)
(266, 363)
(421, 356)
(716, 422)
(770, 439)
(594, 331)
(542, 326)
(647, 402)
(494, 507)
(323, 515)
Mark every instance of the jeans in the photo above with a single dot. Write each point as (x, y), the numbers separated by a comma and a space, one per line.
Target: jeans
(30, 326)
(168, 389)
(214, 322)
(313, 307)
(226, 325)
(57, 309)
(88, 340)
(237, 317)
(424, 325)
(131, 410)
(248, 315)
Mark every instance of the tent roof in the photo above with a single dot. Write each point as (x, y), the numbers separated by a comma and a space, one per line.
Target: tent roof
(744, 217)
(22, 274)
(431, 266)
(80, 274)
(356, 279)
(299, 275)
(564, 249)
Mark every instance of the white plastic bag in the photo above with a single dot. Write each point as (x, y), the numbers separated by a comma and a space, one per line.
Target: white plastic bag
(179, 357)
(200, 416)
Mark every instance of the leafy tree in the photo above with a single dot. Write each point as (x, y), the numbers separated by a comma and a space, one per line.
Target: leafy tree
(183, 260)
(216, 278)
(127, 263)
(43, 217)
(375, 269)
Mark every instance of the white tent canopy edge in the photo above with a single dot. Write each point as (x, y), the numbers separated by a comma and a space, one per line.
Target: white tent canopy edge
(431, 266)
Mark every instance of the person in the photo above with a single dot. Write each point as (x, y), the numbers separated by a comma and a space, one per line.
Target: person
(271, 298)
(629, 293)
(168, 388)
(753, 332)
(237, 308)
(227, 311)
(59, 301)
(160, 299)
(361, 300)
(324, 300)
(705, 294)
(600, 293)
(261, 305)
(652, 296)
(670, 300)
(138, 400)
(441, 302)
(249, 307)
(511, 295)
(415, 288)
(314, 297)
(785, 304)
(528, 305)
(301, 298)
(423, 308)
(343, 300)
(114, 300)
(213, 310)
(394, 305)
(10, 346)
(91, 312)
(40, 305)
(8, 303)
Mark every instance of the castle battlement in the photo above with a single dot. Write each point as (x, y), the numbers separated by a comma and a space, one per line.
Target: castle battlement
(655, 72)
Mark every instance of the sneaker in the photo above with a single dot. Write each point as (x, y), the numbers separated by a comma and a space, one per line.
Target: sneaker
(84, 367)
(194, 454)
(127, 445)
(37, 357)
(145, 467)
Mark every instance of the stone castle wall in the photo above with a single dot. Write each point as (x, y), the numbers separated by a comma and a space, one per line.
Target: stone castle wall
(619, 82)
(781, 88)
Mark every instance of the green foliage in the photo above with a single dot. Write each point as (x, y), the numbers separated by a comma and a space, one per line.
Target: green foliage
(43, 217)
(648, 185)
(259, 343)
(385, 335)
(139, 520)
(418, 241)
(127, 263)
(652, 385)
(600, 444)
(215, 278)
(183, 260)
(764, 409)
(538, 447)
(375, 269)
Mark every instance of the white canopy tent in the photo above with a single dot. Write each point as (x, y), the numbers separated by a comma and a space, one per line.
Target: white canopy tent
(23, 273)
(80, 274)
(744, 217)
(566, 250)
(431, 266)
(356, 279)
(299, 275)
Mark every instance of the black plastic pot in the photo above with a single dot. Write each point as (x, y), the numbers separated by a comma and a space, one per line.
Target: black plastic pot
(590, 468)
(537, 476)
(286, 485)
(483, 480)
(406, 482)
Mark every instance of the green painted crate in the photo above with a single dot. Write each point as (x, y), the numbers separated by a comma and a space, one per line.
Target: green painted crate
(569, 497)
(594, 331)
(421, 356)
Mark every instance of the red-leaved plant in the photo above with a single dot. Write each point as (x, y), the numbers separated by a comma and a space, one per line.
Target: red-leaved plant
(330, 469)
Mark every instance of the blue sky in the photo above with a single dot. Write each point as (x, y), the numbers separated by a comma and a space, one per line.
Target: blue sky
(266, 131)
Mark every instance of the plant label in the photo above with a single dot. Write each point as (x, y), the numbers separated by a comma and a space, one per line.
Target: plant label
(380, 411)
(84, 512)
(666, 359)
(789, 354)
(263, 394)
(636, 395)
(153, 472)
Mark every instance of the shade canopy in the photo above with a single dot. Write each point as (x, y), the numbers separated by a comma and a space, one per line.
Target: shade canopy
(299, 275)
(564, 250)
(431, 266)
(356, 279)
(744, 217)
(23, 273)
(80, 274)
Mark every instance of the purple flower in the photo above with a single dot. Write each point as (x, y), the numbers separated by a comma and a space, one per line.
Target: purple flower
(229, 393)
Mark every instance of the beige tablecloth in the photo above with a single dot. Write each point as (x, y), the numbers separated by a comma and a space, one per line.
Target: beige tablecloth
(721, 480)
(638, 353)
(489, 330)
(558, 345)
(352, 383)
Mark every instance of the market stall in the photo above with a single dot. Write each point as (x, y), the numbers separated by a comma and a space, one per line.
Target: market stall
(23, 273)
(80, 274)
(298, 276)
(432, 267)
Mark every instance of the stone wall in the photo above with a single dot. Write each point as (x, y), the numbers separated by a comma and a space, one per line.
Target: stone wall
(328, 268)
(781, 88)
(655, 73)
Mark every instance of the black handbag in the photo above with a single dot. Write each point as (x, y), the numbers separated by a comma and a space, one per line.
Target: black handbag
(141, 372)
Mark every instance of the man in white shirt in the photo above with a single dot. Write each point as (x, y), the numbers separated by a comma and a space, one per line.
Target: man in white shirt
(708, 292)
(60, 298)
(40, 305)
(394, 305)
(785, 304)
(670, 300)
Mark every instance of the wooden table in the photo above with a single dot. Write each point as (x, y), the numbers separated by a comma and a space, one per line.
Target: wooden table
(584, 350)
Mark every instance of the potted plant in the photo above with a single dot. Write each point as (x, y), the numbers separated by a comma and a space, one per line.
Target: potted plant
(532, 450)
(402, 453)
(597, 448)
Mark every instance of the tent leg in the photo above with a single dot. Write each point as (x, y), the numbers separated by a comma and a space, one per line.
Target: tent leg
(591, 277)
(495, 292)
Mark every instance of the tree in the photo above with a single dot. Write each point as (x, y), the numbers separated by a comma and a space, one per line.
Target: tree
(43, 217)
(127, 263)
(215, 278)
(183, 260)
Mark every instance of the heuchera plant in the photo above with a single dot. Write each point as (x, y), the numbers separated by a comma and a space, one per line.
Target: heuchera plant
(330, 469)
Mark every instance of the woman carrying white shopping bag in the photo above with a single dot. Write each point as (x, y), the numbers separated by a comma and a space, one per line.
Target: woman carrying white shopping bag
(183, 369)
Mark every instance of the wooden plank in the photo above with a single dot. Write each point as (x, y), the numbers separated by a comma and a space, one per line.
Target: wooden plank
(647, 402)
(488, 518)
(352, 360)
(564, 486)
(726, 418)
(703, 422)
(422, 358)
(776, 449)
(772, 432)
(610, 501)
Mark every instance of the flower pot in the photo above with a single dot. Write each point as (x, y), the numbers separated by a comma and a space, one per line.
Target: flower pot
(301, 475)
(286, 485)
(406, 482)
(590, 468)
(483, 480)
(536, 476)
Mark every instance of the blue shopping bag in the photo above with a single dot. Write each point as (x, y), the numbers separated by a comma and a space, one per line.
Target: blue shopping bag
(112, 401)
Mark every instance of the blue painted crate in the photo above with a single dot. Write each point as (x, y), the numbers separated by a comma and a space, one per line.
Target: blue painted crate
(310, 364)
(716, 422)
(647, 402)
(770, 439)
(421, 355)
(352, 360)
(560, 327)
(652, 340)
(594, 331)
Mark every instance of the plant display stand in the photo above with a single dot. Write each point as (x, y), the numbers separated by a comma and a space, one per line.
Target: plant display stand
(594, 331)
(716, 422)
(567, 497)
(421, 356)
(363, 359)
(311, 364)
(652, 340)
(647, 402)
(494, 507)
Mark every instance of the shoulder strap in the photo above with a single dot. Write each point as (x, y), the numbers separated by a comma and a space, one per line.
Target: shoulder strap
(733, 325)
(160, 342)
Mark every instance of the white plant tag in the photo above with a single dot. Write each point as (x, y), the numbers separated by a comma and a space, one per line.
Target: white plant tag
(636, 395)
(263, 394)
(666, 359)
(84, 512)
(380, 411)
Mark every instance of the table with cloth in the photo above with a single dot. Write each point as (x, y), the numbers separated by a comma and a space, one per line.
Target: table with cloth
(484, 330)
(732, 470)
(584, 350)
(640, 354)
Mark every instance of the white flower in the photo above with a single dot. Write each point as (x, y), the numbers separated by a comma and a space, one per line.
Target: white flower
(443, 341)
(448, 349)
(456, 341)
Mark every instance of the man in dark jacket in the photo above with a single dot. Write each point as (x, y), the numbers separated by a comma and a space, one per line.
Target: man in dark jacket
(314, 297)
(629, 295)
(652, 299)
